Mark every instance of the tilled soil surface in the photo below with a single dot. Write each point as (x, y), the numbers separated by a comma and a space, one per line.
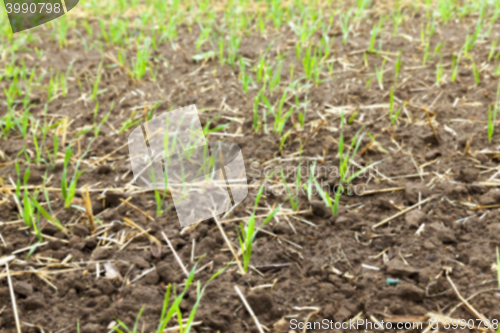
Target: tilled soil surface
(335, 267)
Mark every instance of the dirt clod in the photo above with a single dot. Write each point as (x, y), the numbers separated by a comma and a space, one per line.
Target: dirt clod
(468, 175)
(260, 302)
(412, 191)
(492, 197)
(80, 230)
(414, 218)
(410, 291)
(23, 288)
(397, 268)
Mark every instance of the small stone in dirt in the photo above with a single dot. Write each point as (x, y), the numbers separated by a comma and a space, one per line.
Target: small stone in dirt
(414, 218)
(34, 302)
(410, 291)
(398, 268)
(468, 175)
(140, 262)
(432, 154)
(492, 197)
(23, 288)
(432, 257)
(102, 253)
(260, 302)
(80, 230)
(412, 191)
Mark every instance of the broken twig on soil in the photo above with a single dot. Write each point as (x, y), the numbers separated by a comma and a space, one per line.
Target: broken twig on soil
(175, 254)
(402, 212)
(249, 309)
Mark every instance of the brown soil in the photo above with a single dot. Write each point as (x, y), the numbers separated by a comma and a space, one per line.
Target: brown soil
(324, 267)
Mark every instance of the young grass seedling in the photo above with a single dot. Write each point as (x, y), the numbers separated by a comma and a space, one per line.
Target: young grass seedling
(280, 119)
(391, 107)
(95, 86)
(97, 127)
(455, 61)
(439, 73)
(397, 66)
(68, 189)
(139, 66)
(475, 71)
(345, 27)
(426, 52)
(248, 232)
(492, 116)
(373, 36)
(345, 162)
(493, 49)
(167, 313)
(379, 74)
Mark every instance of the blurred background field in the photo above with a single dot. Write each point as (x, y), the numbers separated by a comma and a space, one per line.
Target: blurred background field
(397, 99)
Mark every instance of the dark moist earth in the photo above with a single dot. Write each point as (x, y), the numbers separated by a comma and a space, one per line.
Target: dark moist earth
(310, 266)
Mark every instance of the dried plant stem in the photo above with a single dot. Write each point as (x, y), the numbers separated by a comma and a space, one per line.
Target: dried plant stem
(469, 307)
(233, 251)
(392, 189)
(175, 254)
(249, 309)
(12, 296)
(88, 208)
(387, 220)
(430, 123)
(132, 223)
(125, 202)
